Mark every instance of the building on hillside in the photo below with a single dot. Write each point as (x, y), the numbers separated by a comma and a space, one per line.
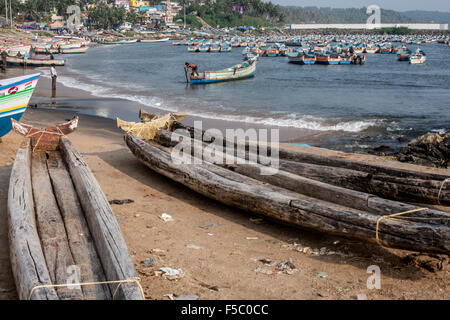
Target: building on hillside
(171, 9)
(139, 3)
(122, 3)
(364, 26)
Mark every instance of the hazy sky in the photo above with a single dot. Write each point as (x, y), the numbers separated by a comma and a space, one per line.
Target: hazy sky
(399, 5)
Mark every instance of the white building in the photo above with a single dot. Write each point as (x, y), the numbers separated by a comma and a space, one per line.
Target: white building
(363, 26)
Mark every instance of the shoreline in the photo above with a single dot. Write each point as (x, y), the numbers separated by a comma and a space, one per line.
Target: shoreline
(84, 102)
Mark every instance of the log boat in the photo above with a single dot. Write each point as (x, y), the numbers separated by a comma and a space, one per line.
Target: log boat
(291, 198)
(15, 61)
(15, 93)
(361, 172)
(240, 71)
(62, 230)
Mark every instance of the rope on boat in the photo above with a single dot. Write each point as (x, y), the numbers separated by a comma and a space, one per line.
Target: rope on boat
(440, 189)
(400, 216)
(60, 133)
(120, 282)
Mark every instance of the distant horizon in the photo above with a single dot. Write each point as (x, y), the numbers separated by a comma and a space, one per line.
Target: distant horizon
(398, 5)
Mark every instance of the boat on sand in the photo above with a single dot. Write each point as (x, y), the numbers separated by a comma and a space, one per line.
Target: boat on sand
(62, 230)
(286, 195)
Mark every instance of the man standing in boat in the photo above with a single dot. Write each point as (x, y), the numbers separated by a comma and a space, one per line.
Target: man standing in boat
(193, 67)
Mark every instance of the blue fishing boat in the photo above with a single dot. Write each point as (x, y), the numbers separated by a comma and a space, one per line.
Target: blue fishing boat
(15, 93)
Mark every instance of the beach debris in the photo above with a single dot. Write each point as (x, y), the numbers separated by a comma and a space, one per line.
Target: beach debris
(210, 226)
(148, 261)
(120, 202)
(166, 217)
(336, 242)
(431, 149)
(321, 274)
(361, 296)
(208, 286)
(430, 262)
(307, 250)
(267, 262)
(210, 234)
(169, 295)
(252, 238)
(256, 220)
(156, 251)
(171, 273)
(137, 215)
(186, 297)
(284, 267)
(193, 246)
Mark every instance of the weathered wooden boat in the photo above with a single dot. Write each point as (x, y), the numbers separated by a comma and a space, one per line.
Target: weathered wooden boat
(15, 61)
(345, 59)
(65, 242)
(361, 172)
(82, 49)
(154, 40)
(300, 58)
(240, 71)
(15, 93)
(271, 52)
(328, 59)
(291, 198)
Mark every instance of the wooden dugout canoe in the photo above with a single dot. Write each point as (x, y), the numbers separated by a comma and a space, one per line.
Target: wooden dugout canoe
(361, 172)
(60, 221)
(298, 201)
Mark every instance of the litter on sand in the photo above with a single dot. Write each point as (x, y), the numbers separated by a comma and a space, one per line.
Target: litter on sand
(361, 296)
(148, 261)
(125, 201)
(252, 238)
(166, 217)
(210, 226)
(169, 295)
(186, 297)
(193, 246)
(321, 274)
(171, 273)
(285, 267)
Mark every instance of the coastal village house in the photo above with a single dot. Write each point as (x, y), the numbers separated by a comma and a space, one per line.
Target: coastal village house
(165, 12)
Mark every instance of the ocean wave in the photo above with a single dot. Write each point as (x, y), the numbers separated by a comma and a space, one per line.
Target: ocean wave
(292, 120)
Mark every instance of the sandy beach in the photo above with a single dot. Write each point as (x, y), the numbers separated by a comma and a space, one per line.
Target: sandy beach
(218, 248)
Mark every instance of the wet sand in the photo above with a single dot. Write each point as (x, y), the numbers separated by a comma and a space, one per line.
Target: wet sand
(217, 247)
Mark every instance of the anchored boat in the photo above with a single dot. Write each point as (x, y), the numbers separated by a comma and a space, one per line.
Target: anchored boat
(419, 57)
(15, 93)
(243, 70)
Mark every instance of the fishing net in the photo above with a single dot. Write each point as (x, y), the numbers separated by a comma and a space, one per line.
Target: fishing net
(147, 130)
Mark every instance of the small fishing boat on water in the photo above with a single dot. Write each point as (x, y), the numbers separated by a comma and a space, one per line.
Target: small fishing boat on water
(15, 93)
(419, 57)
(403, 54)
(296, 192)
(271, 52)
(301, 58)
(61, 227)
(154, 40)
(240, 71)
(329, 59)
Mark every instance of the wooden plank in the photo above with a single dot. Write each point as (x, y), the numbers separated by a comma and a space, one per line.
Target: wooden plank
(289, 207)
(78, 234)
(102, 223)
(51, 228)
(27, 258)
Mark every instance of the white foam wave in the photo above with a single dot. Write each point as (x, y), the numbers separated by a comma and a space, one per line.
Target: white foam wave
(302, 122)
